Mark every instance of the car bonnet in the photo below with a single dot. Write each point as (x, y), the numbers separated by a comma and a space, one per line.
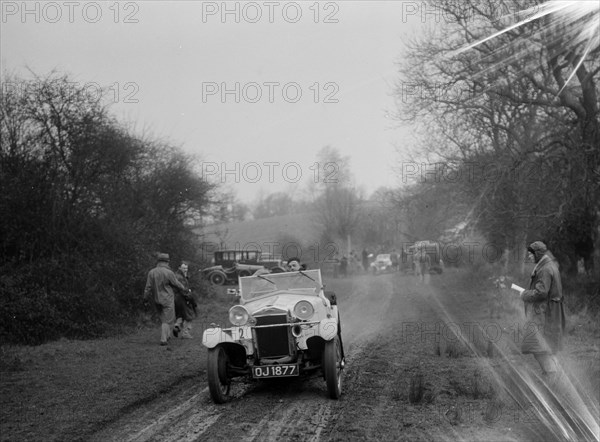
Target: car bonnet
(283, 301)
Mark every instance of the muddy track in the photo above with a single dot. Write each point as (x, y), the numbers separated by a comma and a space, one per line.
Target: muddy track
(297, 410)
(301, 410)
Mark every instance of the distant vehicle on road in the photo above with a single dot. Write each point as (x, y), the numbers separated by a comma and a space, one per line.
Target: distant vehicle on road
(382, 264)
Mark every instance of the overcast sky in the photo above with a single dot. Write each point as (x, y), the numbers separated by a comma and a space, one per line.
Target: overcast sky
(240, 85)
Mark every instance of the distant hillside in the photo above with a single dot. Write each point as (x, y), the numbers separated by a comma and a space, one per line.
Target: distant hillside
(287, 230)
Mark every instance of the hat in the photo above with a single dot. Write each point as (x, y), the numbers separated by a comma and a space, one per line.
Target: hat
(537, 247)
(163, 257)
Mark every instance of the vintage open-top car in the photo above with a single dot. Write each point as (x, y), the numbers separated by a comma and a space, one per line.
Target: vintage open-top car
(284, 326)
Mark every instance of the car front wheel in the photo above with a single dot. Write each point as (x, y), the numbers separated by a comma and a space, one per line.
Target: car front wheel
(219, 383)
(217, 278)
(332, 367)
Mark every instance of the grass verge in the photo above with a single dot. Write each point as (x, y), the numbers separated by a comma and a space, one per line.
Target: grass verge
(67, 389)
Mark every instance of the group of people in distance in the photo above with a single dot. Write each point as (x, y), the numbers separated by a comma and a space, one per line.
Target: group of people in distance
(172, 297)
(422, 265)
(344, 266)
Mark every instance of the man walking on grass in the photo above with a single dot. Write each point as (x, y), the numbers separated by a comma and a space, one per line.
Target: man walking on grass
(160, 283)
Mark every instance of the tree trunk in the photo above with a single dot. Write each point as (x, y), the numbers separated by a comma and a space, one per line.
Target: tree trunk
(596, 253)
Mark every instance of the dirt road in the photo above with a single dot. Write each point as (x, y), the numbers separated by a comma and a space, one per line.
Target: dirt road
(408, 377)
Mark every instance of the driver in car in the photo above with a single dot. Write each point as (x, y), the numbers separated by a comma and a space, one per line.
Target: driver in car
(294, 265)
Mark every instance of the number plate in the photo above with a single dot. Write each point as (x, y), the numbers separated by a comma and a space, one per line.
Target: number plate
(275, 371)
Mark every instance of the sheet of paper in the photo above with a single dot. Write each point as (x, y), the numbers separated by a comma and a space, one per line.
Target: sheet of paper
(517, 288)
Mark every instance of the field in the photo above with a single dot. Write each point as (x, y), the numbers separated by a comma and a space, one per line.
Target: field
(264, 232)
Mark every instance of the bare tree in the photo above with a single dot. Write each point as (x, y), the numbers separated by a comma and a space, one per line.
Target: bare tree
(338, 205)
(86, 204)
(274, 204)
(504, 104)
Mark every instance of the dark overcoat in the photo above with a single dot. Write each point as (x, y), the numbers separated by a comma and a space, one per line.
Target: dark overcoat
(544, 309)
(185, 304)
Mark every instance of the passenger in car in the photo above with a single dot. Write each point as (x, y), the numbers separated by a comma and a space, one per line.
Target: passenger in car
(292, 265)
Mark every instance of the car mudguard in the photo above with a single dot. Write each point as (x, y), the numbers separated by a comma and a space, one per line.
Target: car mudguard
(328, 328)
(237, 335)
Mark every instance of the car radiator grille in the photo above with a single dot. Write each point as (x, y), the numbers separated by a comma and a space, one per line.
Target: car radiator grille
(273, 342)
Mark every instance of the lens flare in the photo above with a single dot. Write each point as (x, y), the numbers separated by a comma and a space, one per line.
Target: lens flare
(565, 409)
(570, 28)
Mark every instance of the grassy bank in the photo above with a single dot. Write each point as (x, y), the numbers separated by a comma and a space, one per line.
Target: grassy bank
(67, 389)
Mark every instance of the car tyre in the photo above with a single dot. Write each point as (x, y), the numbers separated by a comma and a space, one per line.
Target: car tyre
(219, 383)
(217, 278)
(332, 367)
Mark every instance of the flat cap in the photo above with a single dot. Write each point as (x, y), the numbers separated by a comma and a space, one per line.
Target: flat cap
(537, 247)
(163, 257)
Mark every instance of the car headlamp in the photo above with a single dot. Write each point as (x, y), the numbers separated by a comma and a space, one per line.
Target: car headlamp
(238, 315)
(304, 310)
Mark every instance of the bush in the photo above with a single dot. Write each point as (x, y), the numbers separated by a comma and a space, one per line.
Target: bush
(85, 215)
(26, 314)
(582, 293)
(68, 296)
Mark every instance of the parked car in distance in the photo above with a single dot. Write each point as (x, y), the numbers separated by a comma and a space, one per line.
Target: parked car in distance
(382, 263)
(285, 326)
(229, 265)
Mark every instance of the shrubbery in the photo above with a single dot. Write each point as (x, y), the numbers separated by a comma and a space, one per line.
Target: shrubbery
(86, 206)
(27, 313)
(582, 293)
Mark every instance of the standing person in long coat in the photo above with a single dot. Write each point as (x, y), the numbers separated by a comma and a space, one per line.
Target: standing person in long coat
(344, 266)
(422, 263)
(365, 260)
(160, 283)
(544, 309)
(185, 304)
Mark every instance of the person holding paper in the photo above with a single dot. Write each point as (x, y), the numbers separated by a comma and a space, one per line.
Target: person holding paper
(544, 309)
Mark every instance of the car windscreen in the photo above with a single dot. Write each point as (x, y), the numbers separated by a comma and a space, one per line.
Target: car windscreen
(307, 282)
